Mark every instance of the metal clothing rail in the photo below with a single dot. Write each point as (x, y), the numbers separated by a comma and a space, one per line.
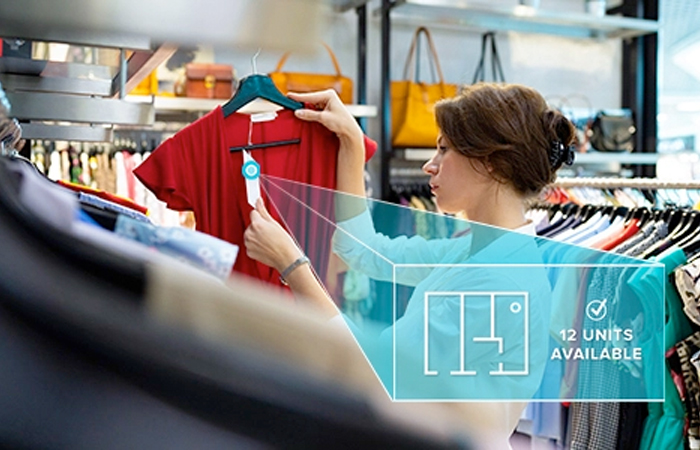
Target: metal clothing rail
(633, 183)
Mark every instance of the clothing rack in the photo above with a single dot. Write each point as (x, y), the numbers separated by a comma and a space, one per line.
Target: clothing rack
(411, 172)
(632, 183)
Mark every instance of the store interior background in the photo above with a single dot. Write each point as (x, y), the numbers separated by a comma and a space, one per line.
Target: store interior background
(579, 75)
(572, 73)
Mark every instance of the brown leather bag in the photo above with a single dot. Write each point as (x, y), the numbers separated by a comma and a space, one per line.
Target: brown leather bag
(208, 80)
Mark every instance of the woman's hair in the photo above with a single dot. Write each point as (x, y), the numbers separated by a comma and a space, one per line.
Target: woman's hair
(511, 129)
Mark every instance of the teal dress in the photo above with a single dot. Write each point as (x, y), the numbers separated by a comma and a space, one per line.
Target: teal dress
(663, 428)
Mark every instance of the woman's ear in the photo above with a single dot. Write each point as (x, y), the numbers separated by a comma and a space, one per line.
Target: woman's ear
(487, 165)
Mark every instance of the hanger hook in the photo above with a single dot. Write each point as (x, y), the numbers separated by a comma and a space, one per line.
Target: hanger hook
(253, 61)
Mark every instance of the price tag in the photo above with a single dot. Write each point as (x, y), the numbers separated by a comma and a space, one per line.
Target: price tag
(251, 173)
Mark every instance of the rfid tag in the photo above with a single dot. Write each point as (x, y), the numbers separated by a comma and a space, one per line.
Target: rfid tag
(251, 170)
(251, 173)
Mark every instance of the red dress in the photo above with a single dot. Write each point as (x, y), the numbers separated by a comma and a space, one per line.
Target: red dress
(195, 170)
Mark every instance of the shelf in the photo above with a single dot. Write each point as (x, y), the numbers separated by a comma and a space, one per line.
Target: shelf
(55, 69)
(362, 110)
(80, 86)
(521, 18)
(194, 105)
(136, 24)
(619, 158)
(73, 108)
(416, 154)
(72, 132)
(346, 5)
(633, 183)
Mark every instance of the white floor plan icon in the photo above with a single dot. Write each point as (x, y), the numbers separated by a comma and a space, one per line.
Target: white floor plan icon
(496, 320)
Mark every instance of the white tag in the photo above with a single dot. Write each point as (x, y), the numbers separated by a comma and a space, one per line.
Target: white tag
(251, 173)
(263, 117)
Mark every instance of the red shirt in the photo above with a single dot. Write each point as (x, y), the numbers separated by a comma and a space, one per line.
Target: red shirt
(194, 170)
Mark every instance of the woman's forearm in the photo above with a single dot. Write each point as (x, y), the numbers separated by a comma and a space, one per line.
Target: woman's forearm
(350, 177)
(308, 289)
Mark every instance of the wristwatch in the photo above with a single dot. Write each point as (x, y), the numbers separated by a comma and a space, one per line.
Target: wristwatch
(285, 273)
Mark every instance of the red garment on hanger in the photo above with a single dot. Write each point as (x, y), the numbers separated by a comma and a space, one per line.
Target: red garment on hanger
(194, 170)
(627, 233)
(126, 202)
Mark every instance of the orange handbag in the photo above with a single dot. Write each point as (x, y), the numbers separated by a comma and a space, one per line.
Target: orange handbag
(413, 102)
(312, 82)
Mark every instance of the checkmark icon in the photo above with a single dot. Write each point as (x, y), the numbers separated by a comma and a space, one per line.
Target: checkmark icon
(597, 309)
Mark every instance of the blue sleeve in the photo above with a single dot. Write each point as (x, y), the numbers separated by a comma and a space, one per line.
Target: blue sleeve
(363, 249)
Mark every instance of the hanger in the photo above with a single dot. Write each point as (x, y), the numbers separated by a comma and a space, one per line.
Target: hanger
(257, 86)
(693, 230)
(254, 87)
(622, 211)
(641, 213)
(672, 216)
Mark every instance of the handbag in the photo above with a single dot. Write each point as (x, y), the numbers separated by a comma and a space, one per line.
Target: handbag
(413, 102)
(613, 132)
(313, 82)
(208, 80)
(496, 68)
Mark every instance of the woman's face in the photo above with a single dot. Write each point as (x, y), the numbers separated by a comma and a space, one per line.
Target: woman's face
(458, 183)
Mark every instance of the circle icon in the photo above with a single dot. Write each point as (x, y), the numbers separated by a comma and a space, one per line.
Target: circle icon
(251, 170)
(515, 307)
(597, 309)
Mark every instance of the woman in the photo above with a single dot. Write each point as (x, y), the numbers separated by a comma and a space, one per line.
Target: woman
(498, 146)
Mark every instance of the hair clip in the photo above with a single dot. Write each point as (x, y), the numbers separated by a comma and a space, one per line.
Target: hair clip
(560, 154)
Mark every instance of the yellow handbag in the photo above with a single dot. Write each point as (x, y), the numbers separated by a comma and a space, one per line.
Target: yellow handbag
(413, 102)
(312, 82)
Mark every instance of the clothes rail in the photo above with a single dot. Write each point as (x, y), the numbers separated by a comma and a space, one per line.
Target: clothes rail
(633, 183)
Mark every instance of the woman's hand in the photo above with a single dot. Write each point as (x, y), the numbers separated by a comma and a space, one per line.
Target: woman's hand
(331, 113)
(266, 241)
(335, 116)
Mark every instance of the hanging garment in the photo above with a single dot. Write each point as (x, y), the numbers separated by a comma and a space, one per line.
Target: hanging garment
(664, 425)
(646, 231)
(686, 378)
(201, 250)
(128, 203)
(687, 279)
(195, 170)
(89, 199)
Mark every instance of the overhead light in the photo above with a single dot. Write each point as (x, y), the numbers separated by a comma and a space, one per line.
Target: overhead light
(686, 55)
(524, 11)
(690, 106)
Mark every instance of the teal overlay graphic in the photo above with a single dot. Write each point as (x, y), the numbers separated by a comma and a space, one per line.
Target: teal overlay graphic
(450, 310)
(251, 170)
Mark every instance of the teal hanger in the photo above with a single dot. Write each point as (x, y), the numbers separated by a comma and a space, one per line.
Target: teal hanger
(258, 86)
